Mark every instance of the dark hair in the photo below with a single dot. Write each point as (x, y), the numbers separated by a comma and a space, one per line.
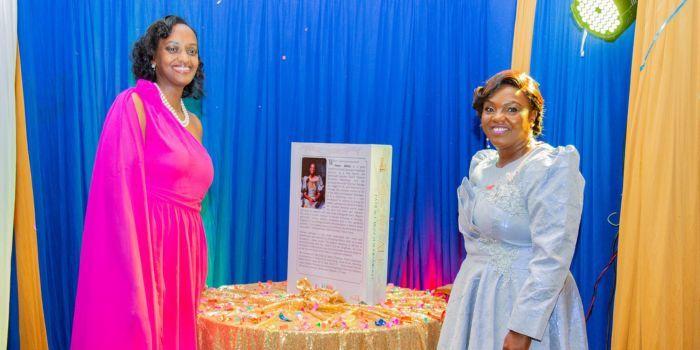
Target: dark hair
(520, 81)
(145, 49)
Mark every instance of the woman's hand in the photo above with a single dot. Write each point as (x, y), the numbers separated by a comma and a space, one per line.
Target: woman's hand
(516, 341)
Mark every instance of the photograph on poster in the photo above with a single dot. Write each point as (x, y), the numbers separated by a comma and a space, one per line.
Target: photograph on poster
(313, 179)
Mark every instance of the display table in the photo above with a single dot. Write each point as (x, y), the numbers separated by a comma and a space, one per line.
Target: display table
(265, 316)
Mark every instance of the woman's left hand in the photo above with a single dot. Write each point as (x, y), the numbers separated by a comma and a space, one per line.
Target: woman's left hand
(516, 341)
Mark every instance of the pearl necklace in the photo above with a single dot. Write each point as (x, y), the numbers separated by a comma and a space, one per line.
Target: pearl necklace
(184, 122)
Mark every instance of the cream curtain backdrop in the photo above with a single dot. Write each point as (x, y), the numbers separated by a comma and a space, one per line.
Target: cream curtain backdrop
(657, 305)
(522, 35)
(8, 155)
(32, 329)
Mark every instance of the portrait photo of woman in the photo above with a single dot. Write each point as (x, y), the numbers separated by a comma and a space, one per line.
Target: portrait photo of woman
(312, 182)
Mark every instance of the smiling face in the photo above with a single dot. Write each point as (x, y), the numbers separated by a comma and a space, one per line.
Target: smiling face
(177, 57)
(507, 118)
(312, 169)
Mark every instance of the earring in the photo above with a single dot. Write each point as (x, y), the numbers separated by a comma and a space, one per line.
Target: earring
(153, 66)
(488, 144)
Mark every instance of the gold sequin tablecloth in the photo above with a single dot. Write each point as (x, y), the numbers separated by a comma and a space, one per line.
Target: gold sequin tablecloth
(265, 316)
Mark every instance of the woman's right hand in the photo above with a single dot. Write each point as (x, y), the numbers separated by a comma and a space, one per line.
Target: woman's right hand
(516, 341)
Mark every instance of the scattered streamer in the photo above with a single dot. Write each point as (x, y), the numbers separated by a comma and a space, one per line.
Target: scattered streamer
(610, 221)
(658, 32)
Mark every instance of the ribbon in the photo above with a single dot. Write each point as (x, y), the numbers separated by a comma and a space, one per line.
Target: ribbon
(658, 32)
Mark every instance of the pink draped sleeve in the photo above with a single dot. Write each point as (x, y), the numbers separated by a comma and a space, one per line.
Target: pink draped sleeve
(119, 288)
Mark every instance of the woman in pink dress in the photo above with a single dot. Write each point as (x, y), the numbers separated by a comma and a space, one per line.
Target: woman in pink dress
(144, 260)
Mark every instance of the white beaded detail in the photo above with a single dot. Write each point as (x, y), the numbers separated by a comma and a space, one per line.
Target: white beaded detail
(182, 122)
(501, 255)
(505, 194)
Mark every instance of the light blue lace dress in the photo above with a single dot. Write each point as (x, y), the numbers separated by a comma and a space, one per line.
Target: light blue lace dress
(520, 225)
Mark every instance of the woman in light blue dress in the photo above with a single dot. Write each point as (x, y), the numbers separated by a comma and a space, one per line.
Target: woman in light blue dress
(519, 213)
(311, 189)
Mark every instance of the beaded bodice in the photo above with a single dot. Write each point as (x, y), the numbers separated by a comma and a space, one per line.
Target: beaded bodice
(496, 226)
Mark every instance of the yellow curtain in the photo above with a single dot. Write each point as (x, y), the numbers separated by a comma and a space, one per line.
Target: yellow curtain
(32, 329)
(657, 304)
(522, 35)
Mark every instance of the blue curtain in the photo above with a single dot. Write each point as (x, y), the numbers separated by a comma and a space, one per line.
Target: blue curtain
(389, 72)
(586, 105)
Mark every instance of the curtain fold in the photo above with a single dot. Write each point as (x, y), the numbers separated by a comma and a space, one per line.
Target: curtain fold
(586, 105)
(32, 330)
(522, 35)
(657, 304)
(8, 155)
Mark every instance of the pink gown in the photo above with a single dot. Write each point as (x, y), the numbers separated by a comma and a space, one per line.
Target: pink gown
(144, 260)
